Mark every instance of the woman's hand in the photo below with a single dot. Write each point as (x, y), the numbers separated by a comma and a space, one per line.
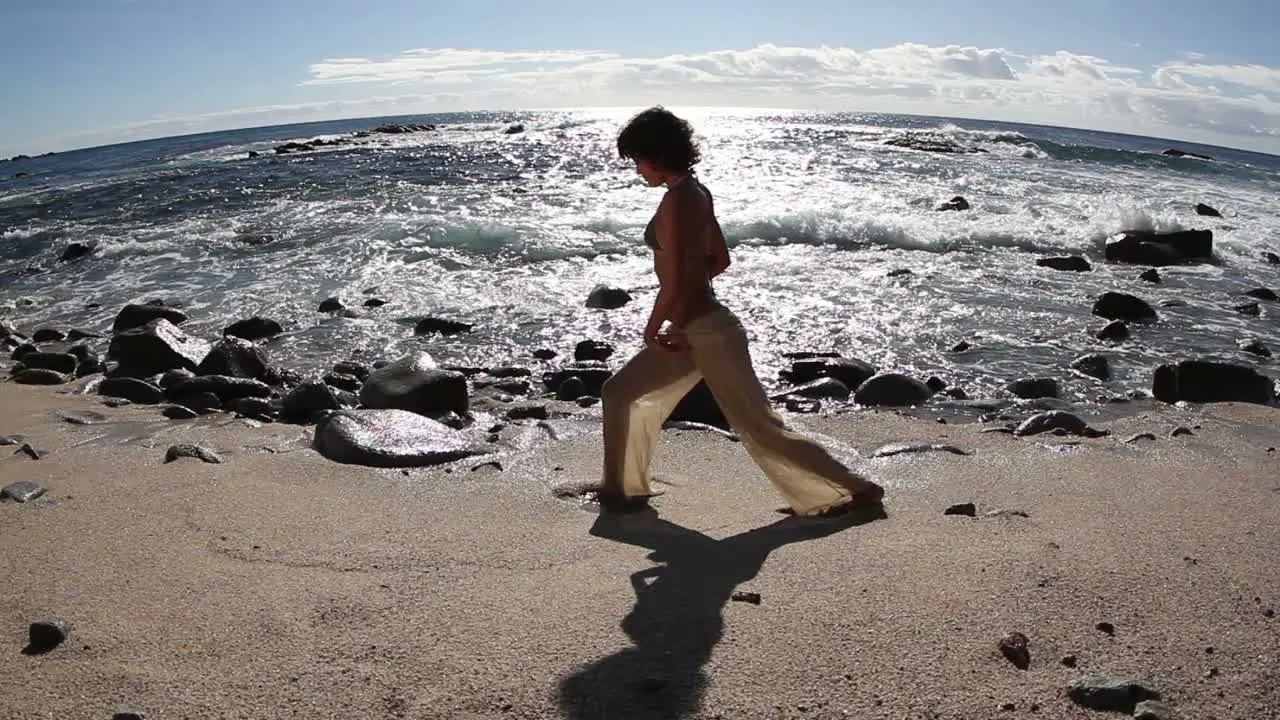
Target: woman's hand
(672, 341)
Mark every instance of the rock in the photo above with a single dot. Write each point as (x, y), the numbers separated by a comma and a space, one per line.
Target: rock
(414, 383)
(333, 304)
(1093, 365)
(1106, 627)
(592, 350)
(962, 346)
(22, 351)
(1205, 210)
(966, 509)
(514, 129)
(607, 298)
(431, 325)
(131, 389)
(136, 316)
(40, 376)
(1249, 308)
(935, 384)
(398, 129)
(1253, 346)
(173, 378)
(902, 448)
(956, 203)
(572, 388)
(1122, 306)
(1056, 420)
(898, 272)
(234, 357)
(1151, 275)
(1152, 710)
(353, 368)
(1175, 152)
(76, 251)
(802, 405)
(48, 335)
(892, 389)
(45, 635)
(389, 438)
(699, 406)
(136, 715)
(179, 412)
(1068, 661)
(927, 142)
(746, 597)
(1110, 694)
(155, 348)
(1140, 436)
(821, 389)
(1205, 381)
(1263, 294)
(260, 409)
(21, 491)
(1033, 388)
(1114, 330)
(528, 412)
(223, 387)
(307, 400)
(1014, 647)
(187, 450)
(849, 371)
(1270, 257)
(374, 303)
(253, 329)
(1073, 263)
(1144, 247)
(350, 383)
(592, 375)
(544, 354)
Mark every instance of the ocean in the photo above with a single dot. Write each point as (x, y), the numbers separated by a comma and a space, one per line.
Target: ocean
(836, 242)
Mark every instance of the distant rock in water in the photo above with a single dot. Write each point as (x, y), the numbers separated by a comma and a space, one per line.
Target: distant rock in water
(76, 251)
(1033, 388)
(1205, 210)
(134, 316)
(253, 329)
(401, 129)
(1253, 346)
(1122, 306)
(1073, 263)
(1204, 381)
(1144, 247)
(1263, 294)
(607, 298)
(1151, 275)
(1270, 257)
(1174, 152)
(515, 129)
(433, 325)
(955, 203)
(930, 143)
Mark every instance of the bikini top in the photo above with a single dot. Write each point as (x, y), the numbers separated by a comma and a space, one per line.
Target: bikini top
(651, 231)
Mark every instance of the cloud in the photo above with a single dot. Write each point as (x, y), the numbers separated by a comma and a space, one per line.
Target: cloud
(427, 64)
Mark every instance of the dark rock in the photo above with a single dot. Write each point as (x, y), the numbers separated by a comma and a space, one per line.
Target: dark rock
(1122, 306)
(48, 335)
(260, 409)
(223, 387)
(131, 389)
(179, 412)
(76, 251)
(1056, 420)
(45, 635)
(389, 438)
(962, 346)
(374, 303)
(40, 376)
(136, 715)
(253, 239)
(592, 350)
(1175, 152)
(1093, 365)
(821, 389)
(30, 452)
(1105, 627)
(607, 298)
(1263, 294)
(936, 384)
(1033, 388)
(1249, 308)
(967, 509)
(1270, 257)
(571, 388)
(509, 372)
(898, 272)
(1205, 210)
(1072, 263)
(930, 143)
(1253, 346)
(544, 354)
(77, 334)
(587, 401)
(903, 448)
(1152, 710)
(1110, 694)
(1014, 647)
(1068, 661)
(6, 440)
(174, 378)
(350, 383)
(1205, 381)
(1114, 330)
(892, 389)
(1151, 275)
(22, 491)
(515, 387)
(849, 371)
(592, 375)
(416, 384)
(1140, 436)
(234, 357)
(332, 304)
(802, 405)
(187, 450)
(514, 129)
(307, 400)
(746, 597)
(1144, 247)
(699, 406)
(956, 203)
(136, 316)
(431, 325)
(1180, 431)
(22, 351)
(528, 412)
(155, 348)
(353, 368)
(253, 329)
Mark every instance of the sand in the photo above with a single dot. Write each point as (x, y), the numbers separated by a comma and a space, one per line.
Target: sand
(278, 584)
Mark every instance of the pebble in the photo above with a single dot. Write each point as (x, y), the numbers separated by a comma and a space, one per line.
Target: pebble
(1014, 647)
(747, 597)
(1181, 431)
(901, 448)
(1140, 436)
(10, 439)
(187, 450)
(45, 635)
(1106, 627)
(21, 491)
(129, 716)
(962, 509)
(30, 452)
(1069, 661)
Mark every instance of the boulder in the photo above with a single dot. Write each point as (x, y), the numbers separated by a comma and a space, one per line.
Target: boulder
(1144, 247)
(699, 405)
(76, 251)
(821, 389)
(1206, 211)
(40, 376)
(1206, 381)
(131, 389)
(390, 438)
(1093, 365)
(1114, 330)
(592, 375)
(433, 325)
(253, 329)
(1151, 275)
(307, 400)
(1263, 294)
(1033, 388)
(225, 388)
(1110, 694)
(607, 298)
(414, 383)
(956, 203)
(64, 363)
(155, 348)
(849, 371)
(234, 357)
(892, 389)
(134, 316)
(1122, 306)
(1059, 420)
(48, 335)
(592, 350)
(1071, 263)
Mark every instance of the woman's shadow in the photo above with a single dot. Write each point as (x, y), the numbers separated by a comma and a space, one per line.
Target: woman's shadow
(676, 621)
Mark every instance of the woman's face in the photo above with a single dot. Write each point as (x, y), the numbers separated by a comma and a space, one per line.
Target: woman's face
(647, 170)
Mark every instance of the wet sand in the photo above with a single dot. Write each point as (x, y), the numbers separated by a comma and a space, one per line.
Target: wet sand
(278, 584)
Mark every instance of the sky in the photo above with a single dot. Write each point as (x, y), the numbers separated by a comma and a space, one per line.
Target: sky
(79, 73)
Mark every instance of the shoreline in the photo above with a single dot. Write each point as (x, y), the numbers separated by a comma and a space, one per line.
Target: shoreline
(280, 584)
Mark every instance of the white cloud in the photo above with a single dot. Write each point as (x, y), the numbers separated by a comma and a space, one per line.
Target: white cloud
(427, 64)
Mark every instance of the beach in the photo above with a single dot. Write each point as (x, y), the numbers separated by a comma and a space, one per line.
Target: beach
(279, 584)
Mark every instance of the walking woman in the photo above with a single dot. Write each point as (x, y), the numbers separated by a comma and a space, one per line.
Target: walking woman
(690, 335)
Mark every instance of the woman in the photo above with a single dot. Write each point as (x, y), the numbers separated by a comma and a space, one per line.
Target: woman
(704, 340)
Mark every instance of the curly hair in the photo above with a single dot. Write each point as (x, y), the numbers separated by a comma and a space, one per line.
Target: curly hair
(660, 137)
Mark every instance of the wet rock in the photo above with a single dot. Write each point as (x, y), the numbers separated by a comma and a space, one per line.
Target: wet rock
(957, 203)
(136, 316)
(544, 354)
(87, 361)
(1159, 249)
(607, 298)
(1014, 646)
(1093, 365)
(1263, 294)
(962, 346)
(307, 400)
(260, 409)
(1180, 431)
(928, 142)
(1110, 694)
(1253, 346)
(355, 369)
(253, 329)
(852, 373)
(77, 334)
(1122, 306)
(1206, 211)
(83, 417)
(332, 304)
(587, 401)
(592, 350)
(374, 303)
(699, 406)
(131, 389)
(1270, 257)
(222, 387)
(509, 372)
(188, 450)
(1175, 152)
(1152, 710)
(76, 251)
(45, 635)
(22, 351)
(234, 357)
(1056, 420)
(572, 388)
(433, 325)
(1072, 263)
(1249, 308)
(528, 412)
(48, 335)
(1068, 661)
(592, 375)
(414, 383)
(6, 440)
(966, 509)
(1206, 381)
(40, 376)
(1140, 437)
(155, 348)
(22, 491)
(179, 412)
(30, 452)
(1033, 388)
(390, 438)
(802, 405)
(903, 448)
(1151, 275)
(350, 383)
(821, 389)
(514, 129)
(892, 389)
(1114, 330)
